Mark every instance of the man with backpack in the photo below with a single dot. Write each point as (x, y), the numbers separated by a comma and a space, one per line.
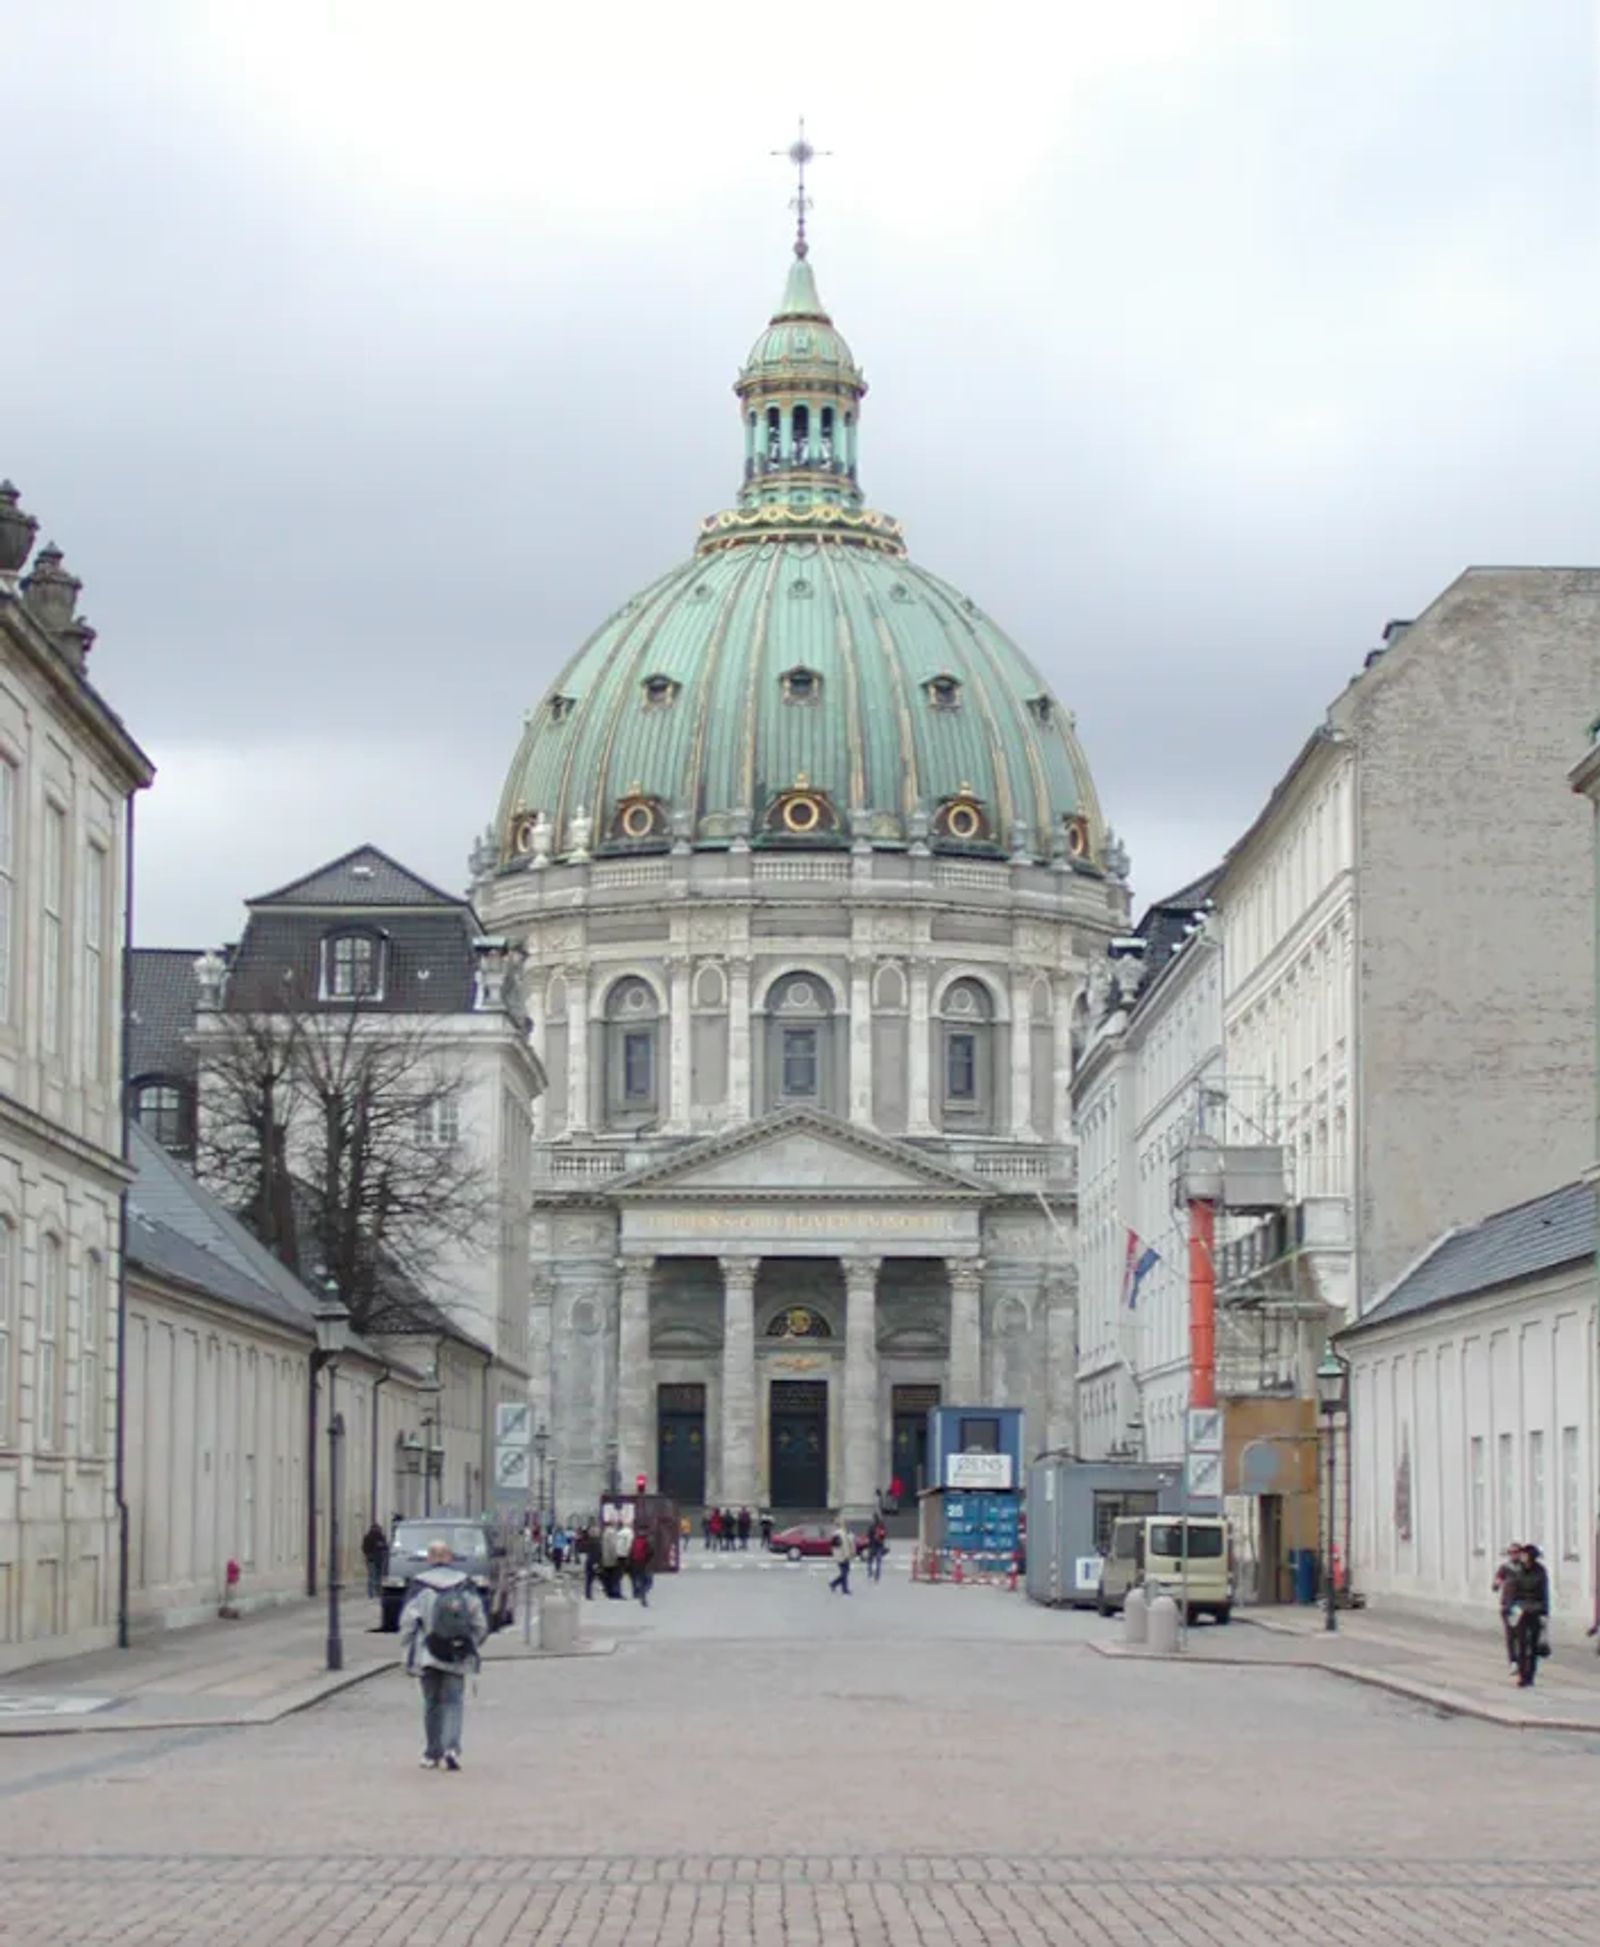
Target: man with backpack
(641, 1564)
(441, 1629)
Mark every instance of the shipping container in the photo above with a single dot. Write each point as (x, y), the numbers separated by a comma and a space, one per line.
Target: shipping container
(1071, 1506)
(975, 1447)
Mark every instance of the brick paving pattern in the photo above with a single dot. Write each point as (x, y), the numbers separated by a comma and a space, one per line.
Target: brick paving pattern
(371, 1901)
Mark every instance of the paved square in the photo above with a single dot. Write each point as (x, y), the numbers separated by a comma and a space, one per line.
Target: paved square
(761, 1761)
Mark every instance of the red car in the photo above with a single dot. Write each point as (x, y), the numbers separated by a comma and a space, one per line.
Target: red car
(804, 1538)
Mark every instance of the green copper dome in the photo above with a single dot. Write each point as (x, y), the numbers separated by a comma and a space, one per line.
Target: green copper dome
(799, 684)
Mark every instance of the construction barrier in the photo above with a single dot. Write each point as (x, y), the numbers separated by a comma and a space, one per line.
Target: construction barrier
(965, 1567)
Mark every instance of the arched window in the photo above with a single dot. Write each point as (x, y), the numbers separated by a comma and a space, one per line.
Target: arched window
(800, 1045)
(966, 1029)
(633, 1033)
(161, 1109)
(47, 1348)
(802, 435)
(774, 437)
(352, 966)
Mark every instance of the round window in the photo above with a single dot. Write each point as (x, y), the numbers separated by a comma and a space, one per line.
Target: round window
(638, 821)
(802, 814)
(963, 821)
(1077, 837)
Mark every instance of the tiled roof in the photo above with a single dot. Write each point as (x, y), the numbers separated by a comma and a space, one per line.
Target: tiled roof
(364, 877)
(429, 963)
(1556, 1229)
(163, 989)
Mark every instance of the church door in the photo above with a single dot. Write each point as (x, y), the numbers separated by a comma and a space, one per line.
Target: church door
(681, 1443)
(798, 1454)
(909, 1405)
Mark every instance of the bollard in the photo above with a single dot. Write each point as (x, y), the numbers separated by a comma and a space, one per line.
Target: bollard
(1162, 1627)
(558, 1621)
(525, 1596)
(1135, 1618)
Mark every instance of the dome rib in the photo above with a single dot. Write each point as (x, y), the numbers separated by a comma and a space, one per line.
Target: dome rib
(845, 645)
(752, 708)
(945, 612)
(692, 789)
(624, 692)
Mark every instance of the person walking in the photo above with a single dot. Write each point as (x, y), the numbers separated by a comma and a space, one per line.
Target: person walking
(1530, 1591)
(375, 1548)
(589, 1550)
(707, 1516)
(441, 1629)
(641, 1565)
(611, 1558)
(714, 1528)
(744, 1528)
(841, 1553)
(1504, 1579)
(766, 1527)
(560, 1545)
(877, 1548)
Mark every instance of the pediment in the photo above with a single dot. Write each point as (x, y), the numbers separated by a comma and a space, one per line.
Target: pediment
(800, 1153)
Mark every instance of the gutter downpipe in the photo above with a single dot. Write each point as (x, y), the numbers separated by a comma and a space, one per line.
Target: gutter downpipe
(378, 1384)
(120, 1456)
(316, 1363)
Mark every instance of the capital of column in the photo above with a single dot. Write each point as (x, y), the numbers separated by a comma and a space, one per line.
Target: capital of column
(635, 1267)
(739, 1273)
(861, 1275)
(965, 1273)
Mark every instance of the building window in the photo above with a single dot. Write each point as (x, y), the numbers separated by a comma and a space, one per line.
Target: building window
(1506, 1491)
(352, 967)
(8, 877)
(1535, 1523)
(980, 1436)
(94, 962)
(162, 1111)
(966, 1028)
(53, 893)
(1480, 1490)
(91, 1371)
(47, 1351)
(961, 1066)
(439, 1123)
(633, 1024)
(8, 1327)
(1570, 1498)
(800, 1062)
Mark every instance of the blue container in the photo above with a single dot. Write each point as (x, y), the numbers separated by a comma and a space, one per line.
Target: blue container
(976, 1449)
(1303, 1570)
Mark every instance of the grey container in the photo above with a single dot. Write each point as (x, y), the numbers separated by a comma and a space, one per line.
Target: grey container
(1069, 1501)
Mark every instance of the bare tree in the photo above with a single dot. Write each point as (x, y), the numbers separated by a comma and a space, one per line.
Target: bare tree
(335, 1134)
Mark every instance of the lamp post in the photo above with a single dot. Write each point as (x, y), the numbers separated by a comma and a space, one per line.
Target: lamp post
(333, 1337)
(1333, 1398)
(541, 1446)
(430, 1390)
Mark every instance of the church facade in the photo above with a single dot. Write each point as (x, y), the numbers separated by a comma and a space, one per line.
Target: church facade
(808, 870)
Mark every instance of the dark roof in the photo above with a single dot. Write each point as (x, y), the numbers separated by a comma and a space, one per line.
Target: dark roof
(178, 1229)
(162, 994)
(1553, 1230)
(364, 877)
(429, 961)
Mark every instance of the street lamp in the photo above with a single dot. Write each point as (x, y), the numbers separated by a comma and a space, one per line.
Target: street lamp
(541, 1446)
(1333, 1399)
(430, 1390)
(332, 1319)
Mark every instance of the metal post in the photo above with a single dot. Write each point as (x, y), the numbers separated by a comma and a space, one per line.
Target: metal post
(335, 1489)
(1330, 1615)
(427, 1465)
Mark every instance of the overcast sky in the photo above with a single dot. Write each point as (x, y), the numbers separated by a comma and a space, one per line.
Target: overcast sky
(363, 357)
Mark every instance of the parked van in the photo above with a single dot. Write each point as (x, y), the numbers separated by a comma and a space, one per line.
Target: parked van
(1150, 1549)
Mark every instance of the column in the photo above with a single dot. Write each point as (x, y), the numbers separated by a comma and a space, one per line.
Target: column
(861, 1044)
(678, 1112)
(739, 1109)
(577, 1052)
(635, 1418)
(919, 1120)
(861, 1415)
(1061, 1083)
(737, 1482)
(966, 1332)
(1061, 1361)
(1021, 1057)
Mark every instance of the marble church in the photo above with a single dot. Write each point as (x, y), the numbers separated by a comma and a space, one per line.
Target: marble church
(808, 869)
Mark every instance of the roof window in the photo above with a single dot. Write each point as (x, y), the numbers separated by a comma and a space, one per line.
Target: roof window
(801, 685)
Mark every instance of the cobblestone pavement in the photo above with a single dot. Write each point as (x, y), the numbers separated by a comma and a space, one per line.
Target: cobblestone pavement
(762, 1762)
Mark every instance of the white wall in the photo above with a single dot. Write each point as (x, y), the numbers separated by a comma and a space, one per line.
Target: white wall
(1489, 1405)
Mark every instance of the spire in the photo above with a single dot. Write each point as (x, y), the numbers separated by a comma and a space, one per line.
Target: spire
(800, 152)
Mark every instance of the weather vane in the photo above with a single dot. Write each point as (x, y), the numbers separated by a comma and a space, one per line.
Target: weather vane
(800, 152)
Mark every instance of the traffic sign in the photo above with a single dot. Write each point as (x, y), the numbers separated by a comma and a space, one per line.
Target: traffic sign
(513, 1423)
(1205, 1429)
(1204, 1479)
(512, 1467)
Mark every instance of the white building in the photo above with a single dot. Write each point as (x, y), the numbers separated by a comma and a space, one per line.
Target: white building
(68, 771)
(1473, 1412)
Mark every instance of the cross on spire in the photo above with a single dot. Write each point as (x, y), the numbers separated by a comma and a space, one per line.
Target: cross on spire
(800, 152)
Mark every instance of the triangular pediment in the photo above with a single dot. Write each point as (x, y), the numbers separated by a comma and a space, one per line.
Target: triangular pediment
(799, 1152)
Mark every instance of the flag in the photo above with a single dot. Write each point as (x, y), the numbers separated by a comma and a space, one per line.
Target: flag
(1140, 1261)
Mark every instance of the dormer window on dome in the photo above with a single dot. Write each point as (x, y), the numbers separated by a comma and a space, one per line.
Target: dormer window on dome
(944, 692)
(801, 685)
(1076, 833)
(660, 692)
(962, 819)
(638, 818)
(561, 707)
(802, 812)
(1040, 707)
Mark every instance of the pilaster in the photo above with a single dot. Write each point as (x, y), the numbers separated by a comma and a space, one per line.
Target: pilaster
(1022, 1056)
(577, 981)
(739, 1109)
(635, 1418)
(919, 1117)
(861, 1043)
(966, 1332)
(737, 1486)
(678, 974)
(1061, 1362)
(861, 1416)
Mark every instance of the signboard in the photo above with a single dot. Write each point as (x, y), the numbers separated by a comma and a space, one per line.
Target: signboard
(1205, 1429)
(1086, 1574)
(513, 1469)
(987, 1470)
(1205, 1476)
(513, 1423)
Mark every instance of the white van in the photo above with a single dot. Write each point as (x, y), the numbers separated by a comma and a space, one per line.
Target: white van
(1151, 1549)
